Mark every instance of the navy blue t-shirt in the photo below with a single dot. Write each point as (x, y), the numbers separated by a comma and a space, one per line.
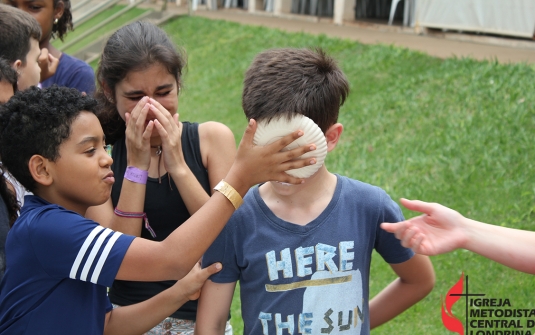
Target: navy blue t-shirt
(74, 73)
(310, 279)
(4, 228)
(58, 267)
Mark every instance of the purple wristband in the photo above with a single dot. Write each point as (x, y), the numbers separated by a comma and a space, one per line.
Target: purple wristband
(136, 175)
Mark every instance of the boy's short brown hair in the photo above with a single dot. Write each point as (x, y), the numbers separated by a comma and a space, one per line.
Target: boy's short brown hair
(285, 82)
(16, 29)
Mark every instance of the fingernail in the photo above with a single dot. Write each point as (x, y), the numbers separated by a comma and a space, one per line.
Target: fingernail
(251, 122)
(218, 266)
(300, 133)
(312, 147)
(312, 161)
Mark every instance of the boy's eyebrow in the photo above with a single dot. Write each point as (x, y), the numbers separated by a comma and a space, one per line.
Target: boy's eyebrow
(90, 139)
(138, 92)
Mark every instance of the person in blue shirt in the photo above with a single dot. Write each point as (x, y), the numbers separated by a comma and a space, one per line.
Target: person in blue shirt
(58, 263)
(55, 19)
(302, 253)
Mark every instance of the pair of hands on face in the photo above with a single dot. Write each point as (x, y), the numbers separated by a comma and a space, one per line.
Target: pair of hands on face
(139, 132)
(253, 164)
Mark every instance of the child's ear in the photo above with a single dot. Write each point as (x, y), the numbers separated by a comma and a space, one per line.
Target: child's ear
(39, 169)
(107, 92)
(332, 135)
(59, 9)
(16, 65)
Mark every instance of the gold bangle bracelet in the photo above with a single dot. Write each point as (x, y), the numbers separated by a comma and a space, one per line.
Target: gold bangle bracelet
(230, 193)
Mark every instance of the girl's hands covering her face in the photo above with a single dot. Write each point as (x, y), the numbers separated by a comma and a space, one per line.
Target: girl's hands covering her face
(170, 130)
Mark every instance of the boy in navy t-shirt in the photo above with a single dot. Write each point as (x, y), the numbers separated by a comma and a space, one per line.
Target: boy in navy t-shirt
(59, 263)
(302, 253)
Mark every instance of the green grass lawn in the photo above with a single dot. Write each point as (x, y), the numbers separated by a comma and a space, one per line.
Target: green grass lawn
(456, 131)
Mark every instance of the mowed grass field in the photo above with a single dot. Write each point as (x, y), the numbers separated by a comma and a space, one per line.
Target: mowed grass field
(455, 131)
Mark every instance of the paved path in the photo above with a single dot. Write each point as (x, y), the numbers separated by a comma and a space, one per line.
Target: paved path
(477, 47)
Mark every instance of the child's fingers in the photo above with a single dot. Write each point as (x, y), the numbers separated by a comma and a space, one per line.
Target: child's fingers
(197, 278)
(43, 57)
(406, 236)
(397, 228)
(148, 131)
(166, 134)
(161, 113)
(296, 164)
(248, 135)
(139, 107)
(53, 64)
(139, 118)
(416, 243)
(291, 155)
(164, 118)
(176, 119)
(168, 122)
(212, 269)
(286, 140)
(389, 227)
(417, 205)
(286, 178)
(158, 105)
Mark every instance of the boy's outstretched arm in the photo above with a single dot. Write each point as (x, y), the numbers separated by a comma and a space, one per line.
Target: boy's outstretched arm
(141, 317)
(175, 256)
(214, 307)
(441, 229)
(416, 280)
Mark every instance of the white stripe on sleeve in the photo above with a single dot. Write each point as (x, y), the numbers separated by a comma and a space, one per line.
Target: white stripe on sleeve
(88, 240)
(104, 256)
(91, 258)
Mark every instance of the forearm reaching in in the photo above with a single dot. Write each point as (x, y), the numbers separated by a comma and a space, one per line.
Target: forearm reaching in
(441, 229)
(141, 317)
